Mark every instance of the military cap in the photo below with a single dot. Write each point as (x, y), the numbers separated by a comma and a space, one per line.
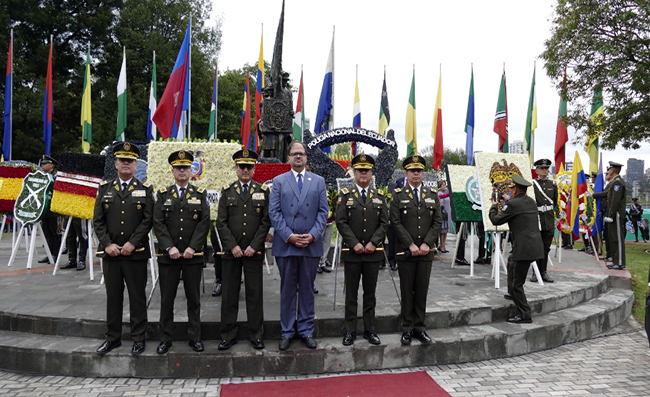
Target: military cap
(363, 162)
(635, 199)
(414, 162)
(594, 175)
(48, 160)
(126, 150)
(542, 163)
(615, 165)
(520, 182)
(245, 156)
(181, 158)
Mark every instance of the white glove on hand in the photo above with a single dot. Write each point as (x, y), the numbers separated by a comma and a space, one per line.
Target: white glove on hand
(608, 219)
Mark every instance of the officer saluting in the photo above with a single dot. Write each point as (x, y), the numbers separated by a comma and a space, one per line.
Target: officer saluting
(122, 220)
(243, 223)
(521, 214)
(545, 197)
(415, 215)
(362, 220)
(181, 221)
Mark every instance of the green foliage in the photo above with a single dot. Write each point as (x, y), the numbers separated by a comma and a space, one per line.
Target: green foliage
(603, 44)
(452, 156)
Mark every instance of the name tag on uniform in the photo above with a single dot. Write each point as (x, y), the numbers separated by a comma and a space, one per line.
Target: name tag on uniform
(108, 197)
(429, 201)
(376, 201)
(139, 193)
(168, 202)
(258, 196)
(405, 201)
(194, 200)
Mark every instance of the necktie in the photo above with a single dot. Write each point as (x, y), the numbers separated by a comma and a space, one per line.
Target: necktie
(182, 194)
(363, 195)
(124, 186)
(300, 182)
(417, 196)
(245, 190)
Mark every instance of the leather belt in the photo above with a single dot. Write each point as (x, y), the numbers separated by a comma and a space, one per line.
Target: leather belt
(545, 208)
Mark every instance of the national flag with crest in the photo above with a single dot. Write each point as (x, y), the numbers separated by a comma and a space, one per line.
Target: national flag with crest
(86, 110)
(299, 115)
(384, 111)
(411, 126)
(578, 200)
(436, 131)
(212, 133)
(324, 112)
(595, 124)
(561, 132)
(469, 123)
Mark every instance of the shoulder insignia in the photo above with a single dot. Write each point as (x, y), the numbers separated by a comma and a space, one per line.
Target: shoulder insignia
(264, 187)
(380, 192)
(200, 190)
(345, 190)
(163, 189)
(397, 190)
(226, 187)
(103, 183)
(147, 184)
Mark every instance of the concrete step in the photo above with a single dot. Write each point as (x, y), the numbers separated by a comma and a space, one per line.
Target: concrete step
(74, 355)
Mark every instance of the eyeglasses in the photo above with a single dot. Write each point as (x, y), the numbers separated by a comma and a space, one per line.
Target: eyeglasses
(245, 166)
(297, 154)
(416, 170)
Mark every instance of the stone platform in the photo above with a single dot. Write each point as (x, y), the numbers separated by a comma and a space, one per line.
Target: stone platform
(53, 324)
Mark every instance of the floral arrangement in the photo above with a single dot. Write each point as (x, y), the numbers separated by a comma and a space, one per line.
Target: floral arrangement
(267, 171)
(466, 205)
(76, 184)
(11, 175)
(494, 171)
(33, 201)
(344, 163)
(212, 169)
(332, 202)
(587, 209)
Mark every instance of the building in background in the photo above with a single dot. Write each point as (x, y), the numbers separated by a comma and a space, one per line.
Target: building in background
(516, 147)
(634, 170)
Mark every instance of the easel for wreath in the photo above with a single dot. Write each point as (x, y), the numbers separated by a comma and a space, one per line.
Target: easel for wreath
(89, 253)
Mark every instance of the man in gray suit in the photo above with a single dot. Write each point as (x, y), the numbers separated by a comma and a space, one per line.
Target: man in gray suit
(298, 211)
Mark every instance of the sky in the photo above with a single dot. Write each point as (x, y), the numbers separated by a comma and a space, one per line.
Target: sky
(428, 37)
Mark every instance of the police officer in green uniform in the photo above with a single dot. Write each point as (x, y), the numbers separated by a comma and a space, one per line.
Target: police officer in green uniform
(243, 223)
(181, 221)
(521, 214)
(362, 220)
(546, 199)
(122, 220)
(416, 217)
(615, 215)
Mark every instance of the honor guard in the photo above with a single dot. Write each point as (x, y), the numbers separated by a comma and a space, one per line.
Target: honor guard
(521, 214)
(615, 215)
(181, 220)
(362, 220)
(546, 199)
(243, 223)
(416, 217)
(122, 221)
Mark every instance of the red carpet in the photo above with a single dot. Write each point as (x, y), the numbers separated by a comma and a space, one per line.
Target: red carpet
(384, 385)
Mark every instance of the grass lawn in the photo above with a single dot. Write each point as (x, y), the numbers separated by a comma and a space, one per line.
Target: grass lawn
(637, 261)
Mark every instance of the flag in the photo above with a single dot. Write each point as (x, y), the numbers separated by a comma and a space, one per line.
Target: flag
(436, 131)
(469, 123)
(6, 141)
(561, 133)
(299, 116)
(411, 128)
(578, 197)
(121, 100)
(531, 122)
(86, 114)
(597, 112)
(501, 117)
(246, 118)
(324, 112)
(356, 115)
(384, 111)
(212, 131)
(48, 105)
(599, 186)
(260, 83)
(151, 127)
(174, 99)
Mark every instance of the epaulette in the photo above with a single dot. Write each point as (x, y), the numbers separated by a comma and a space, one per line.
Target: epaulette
(147, 184)
(226, 187)
(200, 190)
(264, 187)
(380, 192)
(163, 189)
(397, 190)
(345, 190)
(103, 183)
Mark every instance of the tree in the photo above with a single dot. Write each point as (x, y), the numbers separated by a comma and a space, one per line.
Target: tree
(451, 156)
(604, 44)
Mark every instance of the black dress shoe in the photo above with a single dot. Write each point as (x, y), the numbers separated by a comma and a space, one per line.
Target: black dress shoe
(319, 270)
(508, 297)
(163, 347)
(371, 337)
(81, 266)
(349, 338)
(519, 320)
(546, 278)
(138, 347)
(284, 343)
(326, 269)
(309, 342)
(108, 346)
(589, 250)
(461, 262)
(197, 345)
(406, 338)
(44, 260)
(616, 267)
(227, 344)
(480, 261)
(217, 290)
(422, 337)
(533, 278)
(315, 289)
(581, 250)
(68, 265)
(258, 344)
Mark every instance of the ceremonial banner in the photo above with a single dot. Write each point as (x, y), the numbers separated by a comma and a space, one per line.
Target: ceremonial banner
(12, 174)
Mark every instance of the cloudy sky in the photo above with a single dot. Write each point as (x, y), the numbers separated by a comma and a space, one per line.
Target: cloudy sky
(403, 35)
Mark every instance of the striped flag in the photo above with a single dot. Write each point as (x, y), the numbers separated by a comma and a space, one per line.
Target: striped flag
(299, 116)
(324, 119)
(595, 121)
(384, 111)
(86, 113)
(561, 133)
(260, 83)
(356, 114)
(6, 141)
(411, 128)
(469, 123)
(501, 117)
(578, 196)
(212, 128)
(436, 131)
(531, 122)
(246, 117)
(599, 186)
(151, 127)
(48, 105)
(121, 100)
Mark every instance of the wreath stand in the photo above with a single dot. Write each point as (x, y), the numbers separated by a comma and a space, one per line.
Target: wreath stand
(497, 260)
(35, 227)
(90, 239)
(470, 237)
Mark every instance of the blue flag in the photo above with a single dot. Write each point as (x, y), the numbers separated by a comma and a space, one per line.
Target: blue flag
(324, 113)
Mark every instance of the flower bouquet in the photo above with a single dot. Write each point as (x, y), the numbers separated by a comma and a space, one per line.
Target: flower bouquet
(76, 184)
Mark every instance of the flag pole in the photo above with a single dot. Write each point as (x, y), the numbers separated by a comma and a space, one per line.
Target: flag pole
(302, 124)
(331, 123)
(216, 97)
(11, 97)
(189, 89)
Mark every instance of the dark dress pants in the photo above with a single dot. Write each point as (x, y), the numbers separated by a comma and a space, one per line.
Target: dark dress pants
(231, 286)
(75, 233)
(414, 286)
(547, 240)
(297, 275)
(367, 273)
(117, 272)
(170, 275)
(517, 272)
(50, 226)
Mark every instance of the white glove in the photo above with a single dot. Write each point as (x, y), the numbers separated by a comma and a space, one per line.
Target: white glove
(608, 219)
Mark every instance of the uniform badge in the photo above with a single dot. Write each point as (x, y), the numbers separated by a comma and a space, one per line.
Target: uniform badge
(106, 206)
(258, 210)
(617, 188)
(258, 196)
(404, 212)
(196, 217)
(127, 146)
(139, 193)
